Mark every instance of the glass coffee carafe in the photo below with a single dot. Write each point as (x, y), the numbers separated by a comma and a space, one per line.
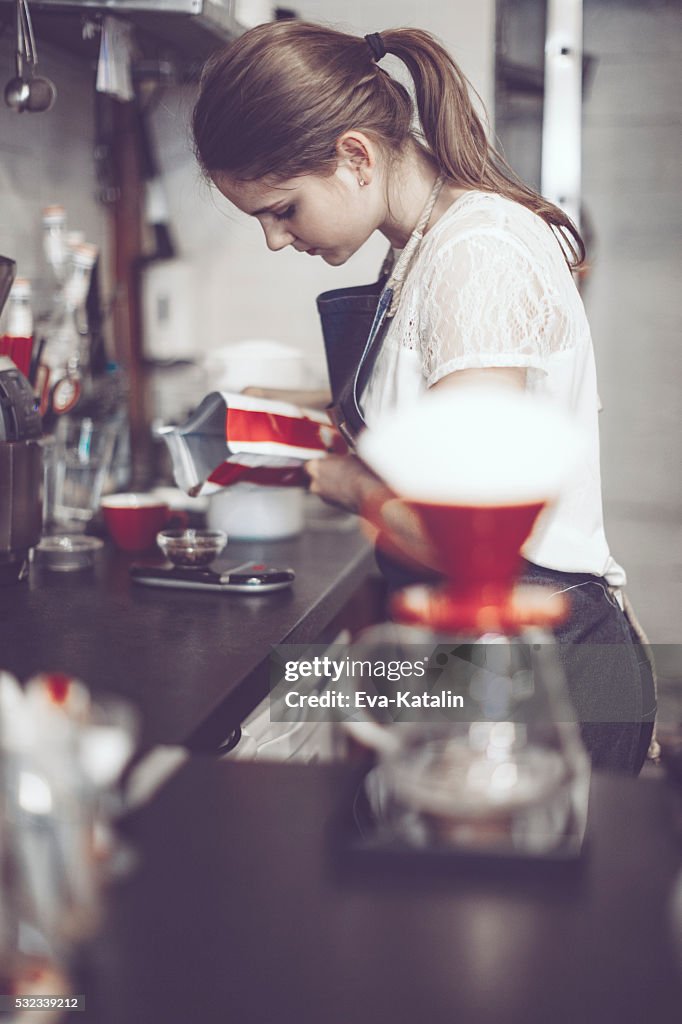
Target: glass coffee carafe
(462, 696)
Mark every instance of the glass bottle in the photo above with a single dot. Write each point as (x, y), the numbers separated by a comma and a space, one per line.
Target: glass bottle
(17, 341)
(67, 350)
(20, 314)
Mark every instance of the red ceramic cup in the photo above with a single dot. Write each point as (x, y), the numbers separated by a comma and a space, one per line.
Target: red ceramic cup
(133, 520)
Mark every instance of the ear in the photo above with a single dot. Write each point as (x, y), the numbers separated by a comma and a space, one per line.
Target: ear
(356, 151)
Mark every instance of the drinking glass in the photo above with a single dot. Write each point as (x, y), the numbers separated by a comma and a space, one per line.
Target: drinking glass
(77, 463)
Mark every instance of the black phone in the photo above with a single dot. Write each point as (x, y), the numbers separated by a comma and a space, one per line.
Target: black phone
(249, 578)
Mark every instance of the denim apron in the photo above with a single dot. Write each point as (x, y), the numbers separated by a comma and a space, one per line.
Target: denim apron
(354, 323)
(608, 668)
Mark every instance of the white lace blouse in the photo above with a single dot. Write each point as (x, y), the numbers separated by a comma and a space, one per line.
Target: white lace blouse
(489, 287)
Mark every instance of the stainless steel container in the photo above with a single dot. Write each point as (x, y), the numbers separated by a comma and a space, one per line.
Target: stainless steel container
(21, 463)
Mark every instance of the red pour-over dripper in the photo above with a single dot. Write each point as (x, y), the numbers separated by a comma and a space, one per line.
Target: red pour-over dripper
(479, 553)
(476, 465)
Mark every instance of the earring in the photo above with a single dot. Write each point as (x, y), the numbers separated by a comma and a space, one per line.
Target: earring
(362, 182)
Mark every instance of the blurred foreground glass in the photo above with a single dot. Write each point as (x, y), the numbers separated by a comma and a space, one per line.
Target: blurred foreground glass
(77, 462)
(60, 756)
(483, 754)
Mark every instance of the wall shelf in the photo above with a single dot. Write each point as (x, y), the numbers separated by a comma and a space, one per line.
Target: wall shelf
(182, 32)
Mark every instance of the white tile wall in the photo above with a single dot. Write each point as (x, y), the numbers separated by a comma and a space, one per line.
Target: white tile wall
(47, 158)
(632, 158)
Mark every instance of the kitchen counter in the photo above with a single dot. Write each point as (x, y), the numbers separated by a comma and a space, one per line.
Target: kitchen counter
(195, 663)
(246, 907)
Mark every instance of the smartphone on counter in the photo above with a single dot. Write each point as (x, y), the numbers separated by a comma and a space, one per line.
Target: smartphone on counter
(249, 578)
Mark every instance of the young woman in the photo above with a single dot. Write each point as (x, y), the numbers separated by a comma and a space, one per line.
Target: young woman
(299, 126)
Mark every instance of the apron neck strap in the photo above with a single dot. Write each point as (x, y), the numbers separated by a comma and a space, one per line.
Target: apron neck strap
(399, 273)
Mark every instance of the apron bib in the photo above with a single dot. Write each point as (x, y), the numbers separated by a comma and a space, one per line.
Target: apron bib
(353, 330)
(354, 324)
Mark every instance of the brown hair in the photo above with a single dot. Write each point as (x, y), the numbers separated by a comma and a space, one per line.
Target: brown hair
(276, 101)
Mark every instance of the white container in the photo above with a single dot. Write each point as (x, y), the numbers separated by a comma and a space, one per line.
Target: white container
(251, 512)
(260, 363)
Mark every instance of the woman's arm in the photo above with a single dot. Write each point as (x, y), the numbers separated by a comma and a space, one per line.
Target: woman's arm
(505, 376)
(345, 481)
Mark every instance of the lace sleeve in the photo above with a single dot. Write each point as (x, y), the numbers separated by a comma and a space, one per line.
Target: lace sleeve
(484, 306)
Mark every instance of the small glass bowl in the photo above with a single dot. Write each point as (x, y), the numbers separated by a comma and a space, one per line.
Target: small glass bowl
(66, 552)
(191, 549)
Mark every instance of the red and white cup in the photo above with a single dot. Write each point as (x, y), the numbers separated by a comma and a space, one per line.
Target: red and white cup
(133, 520)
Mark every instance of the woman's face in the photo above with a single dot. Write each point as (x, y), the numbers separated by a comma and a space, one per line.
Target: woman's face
(329, 216)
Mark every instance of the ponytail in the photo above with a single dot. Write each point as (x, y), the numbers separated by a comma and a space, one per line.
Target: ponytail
(454, 133)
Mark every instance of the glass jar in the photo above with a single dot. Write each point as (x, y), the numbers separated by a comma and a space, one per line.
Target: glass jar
(476, 742)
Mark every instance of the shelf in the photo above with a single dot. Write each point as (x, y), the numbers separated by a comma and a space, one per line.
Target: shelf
(183, 31)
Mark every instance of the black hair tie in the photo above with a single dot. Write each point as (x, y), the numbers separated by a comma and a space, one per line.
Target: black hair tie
(376, 45)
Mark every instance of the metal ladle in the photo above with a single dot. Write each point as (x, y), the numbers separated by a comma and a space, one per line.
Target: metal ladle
(34, 93)
(41, 91)
(16, 92)
(17, 89)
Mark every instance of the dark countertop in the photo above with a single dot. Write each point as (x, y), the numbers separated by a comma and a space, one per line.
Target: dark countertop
(195, 663)
(244, 908)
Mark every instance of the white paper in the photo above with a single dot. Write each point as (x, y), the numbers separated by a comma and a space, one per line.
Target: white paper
(114, 75)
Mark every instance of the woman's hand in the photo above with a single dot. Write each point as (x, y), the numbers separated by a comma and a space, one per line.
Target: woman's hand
(345, 481)
(342, 480)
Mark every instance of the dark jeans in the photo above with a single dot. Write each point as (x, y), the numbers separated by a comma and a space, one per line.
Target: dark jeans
(608, 675)
(609, 678)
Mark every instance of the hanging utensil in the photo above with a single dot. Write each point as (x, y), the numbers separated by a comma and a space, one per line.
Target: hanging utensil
(17, 89)
(28, 90)
(41, 91)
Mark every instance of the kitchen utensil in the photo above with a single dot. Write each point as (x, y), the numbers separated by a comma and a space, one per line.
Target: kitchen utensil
(41, 91)
(42, 94)
(17, 89)
(28, 90)
(191, 548)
